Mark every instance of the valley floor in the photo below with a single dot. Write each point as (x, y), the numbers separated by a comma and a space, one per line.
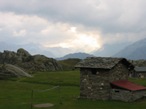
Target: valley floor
(58, 88)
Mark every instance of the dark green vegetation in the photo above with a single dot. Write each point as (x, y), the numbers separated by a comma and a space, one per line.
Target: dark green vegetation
(16, 93)
(68, 64)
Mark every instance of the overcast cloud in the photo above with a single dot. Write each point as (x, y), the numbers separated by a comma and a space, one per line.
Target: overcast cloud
(75, 25)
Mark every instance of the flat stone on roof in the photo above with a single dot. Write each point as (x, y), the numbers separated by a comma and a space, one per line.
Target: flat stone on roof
(45, 105)
(101, 62)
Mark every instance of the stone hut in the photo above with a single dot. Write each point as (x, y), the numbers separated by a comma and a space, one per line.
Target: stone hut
(96, 74)
(127, 91)
(140, 72)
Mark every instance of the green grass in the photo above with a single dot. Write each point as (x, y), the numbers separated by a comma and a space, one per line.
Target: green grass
(141, 81)
(16, 93)
(65, 78)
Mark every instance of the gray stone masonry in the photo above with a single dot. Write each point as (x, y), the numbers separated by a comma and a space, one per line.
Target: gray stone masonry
(126, 96)
(95, 83)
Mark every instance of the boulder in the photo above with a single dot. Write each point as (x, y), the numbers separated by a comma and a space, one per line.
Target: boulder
(9, 70)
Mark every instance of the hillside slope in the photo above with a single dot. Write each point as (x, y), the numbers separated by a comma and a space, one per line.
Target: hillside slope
(134, 51)
(69, 64)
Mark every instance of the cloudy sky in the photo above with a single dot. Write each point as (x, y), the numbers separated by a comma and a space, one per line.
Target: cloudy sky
(67, 26)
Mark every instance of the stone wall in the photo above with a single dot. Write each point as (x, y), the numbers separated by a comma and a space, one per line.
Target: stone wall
(119, 72)
(126, 96)
(93, 86)
(95, 83)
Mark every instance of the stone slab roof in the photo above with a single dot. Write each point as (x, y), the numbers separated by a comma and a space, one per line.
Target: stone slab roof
(102, 62)
(140, 69)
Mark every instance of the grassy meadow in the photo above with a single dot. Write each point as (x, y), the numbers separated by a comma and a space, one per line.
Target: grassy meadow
(60, 88)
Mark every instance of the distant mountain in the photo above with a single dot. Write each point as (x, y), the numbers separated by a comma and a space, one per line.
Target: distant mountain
(109, 50)
(34, 48)
(75, 55)
(134, 51)
(31, 47)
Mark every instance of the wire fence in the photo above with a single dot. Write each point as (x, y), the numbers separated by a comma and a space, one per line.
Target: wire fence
(45, 90)
(28, 98)
(31, 98)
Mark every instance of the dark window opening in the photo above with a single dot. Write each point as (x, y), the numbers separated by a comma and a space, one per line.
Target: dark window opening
(94, 71)
(117, 91)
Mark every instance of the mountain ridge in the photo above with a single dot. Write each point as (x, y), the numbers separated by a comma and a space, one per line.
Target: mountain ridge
(134, 51)
(79, 55)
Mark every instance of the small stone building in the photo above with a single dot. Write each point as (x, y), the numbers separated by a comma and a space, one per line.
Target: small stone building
(126, 91)
(140, 72)
(96, 74)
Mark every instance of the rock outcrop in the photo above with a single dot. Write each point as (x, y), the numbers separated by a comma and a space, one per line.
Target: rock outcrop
(25, 60)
